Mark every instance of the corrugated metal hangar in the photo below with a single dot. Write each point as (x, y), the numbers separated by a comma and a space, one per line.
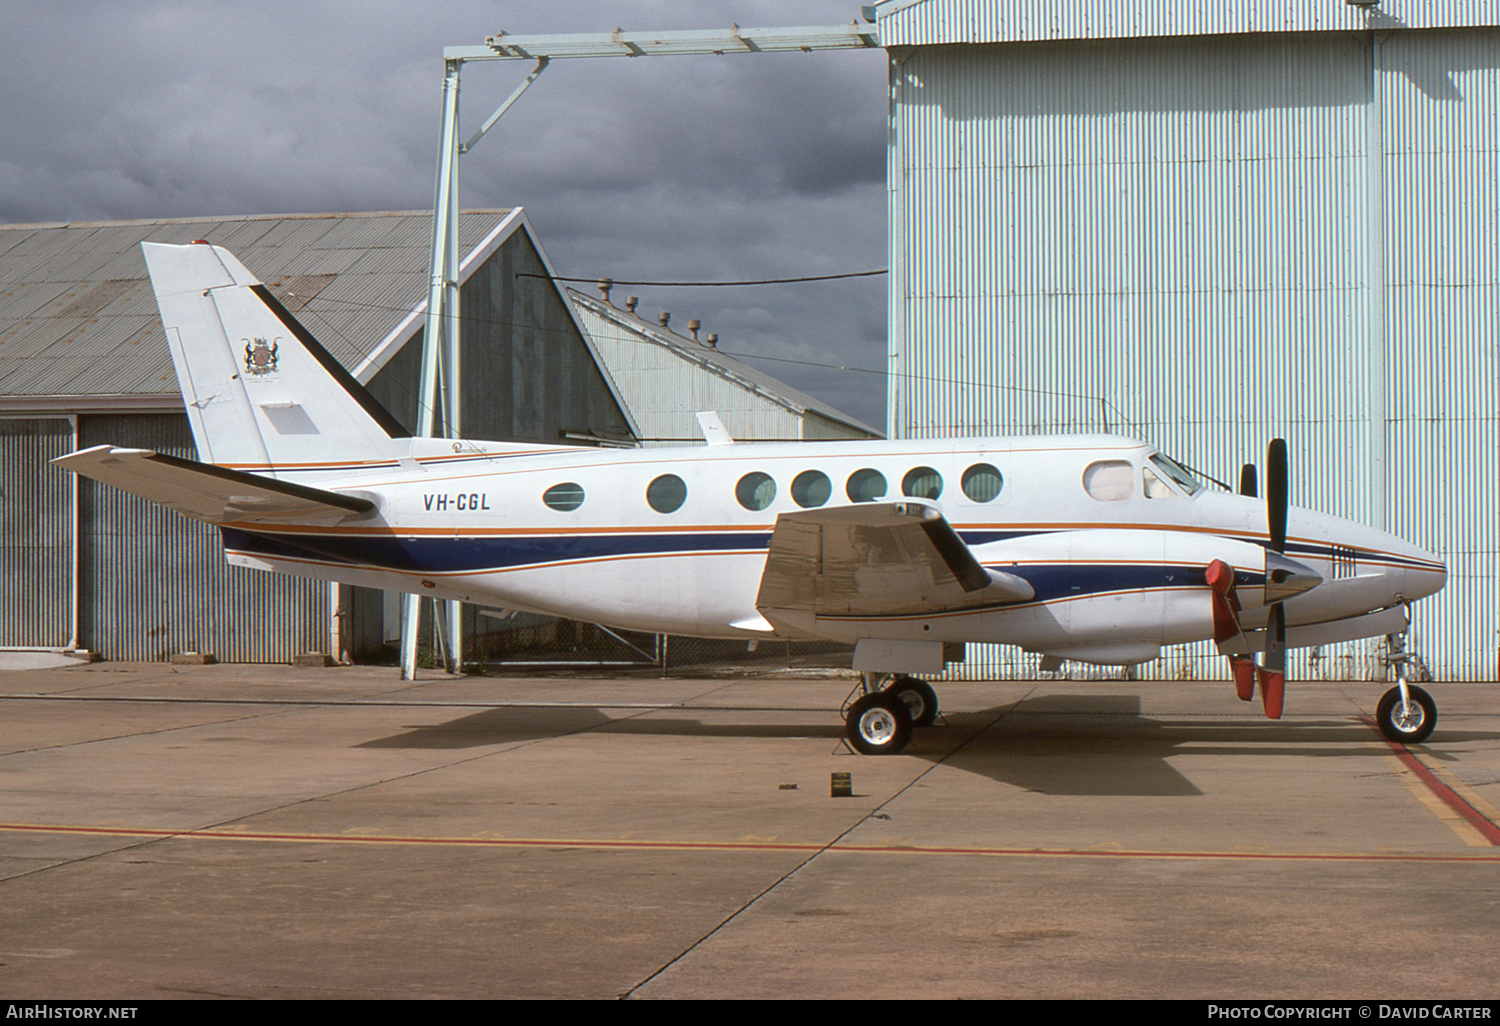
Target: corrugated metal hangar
(1211, 224)
(83, 361)
(666, 378)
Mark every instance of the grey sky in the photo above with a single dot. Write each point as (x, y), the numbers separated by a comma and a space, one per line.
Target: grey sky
(682, 168)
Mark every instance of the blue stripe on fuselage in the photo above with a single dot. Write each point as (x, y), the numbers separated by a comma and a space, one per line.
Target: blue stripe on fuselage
(1051, 581)
(466, 555)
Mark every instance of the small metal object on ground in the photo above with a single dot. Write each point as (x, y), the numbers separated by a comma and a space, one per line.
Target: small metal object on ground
(842, 785)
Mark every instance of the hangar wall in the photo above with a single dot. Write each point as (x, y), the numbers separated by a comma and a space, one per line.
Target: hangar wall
(1208, 241)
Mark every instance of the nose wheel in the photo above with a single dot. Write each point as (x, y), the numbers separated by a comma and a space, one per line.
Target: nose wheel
(1406, 713)
(1409, 719)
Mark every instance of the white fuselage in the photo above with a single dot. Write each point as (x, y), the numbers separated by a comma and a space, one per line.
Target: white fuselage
(675, 540)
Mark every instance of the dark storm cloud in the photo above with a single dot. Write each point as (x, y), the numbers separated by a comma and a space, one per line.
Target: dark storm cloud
(663, 168)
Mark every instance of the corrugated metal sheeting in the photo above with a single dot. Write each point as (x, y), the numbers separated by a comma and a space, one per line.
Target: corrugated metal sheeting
(1211, 241)
(36, 533)
(77, 315)
(938, 22)
(155, 583)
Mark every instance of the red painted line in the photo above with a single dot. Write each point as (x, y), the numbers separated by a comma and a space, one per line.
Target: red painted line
(761, 846)
(1446, 794)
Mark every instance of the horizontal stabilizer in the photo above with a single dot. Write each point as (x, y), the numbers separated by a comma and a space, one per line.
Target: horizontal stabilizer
(872, 559)
(207, 492)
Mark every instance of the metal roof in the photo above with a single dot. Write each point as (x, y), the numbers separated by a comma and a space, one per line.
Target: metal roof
(935, 22)
(78, 317)
(714, 362)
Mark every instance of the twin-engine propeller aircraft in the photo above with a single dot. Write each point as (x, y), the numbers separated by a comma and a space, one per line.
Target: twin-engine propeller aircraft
(1094, 548)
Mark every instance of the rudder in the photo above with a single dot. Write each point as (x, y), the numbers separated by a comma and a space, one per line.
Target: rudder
(261, 393)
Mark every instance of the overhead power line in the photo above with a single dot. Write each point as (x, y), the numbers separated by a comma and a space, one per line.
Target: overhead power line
(708, 284)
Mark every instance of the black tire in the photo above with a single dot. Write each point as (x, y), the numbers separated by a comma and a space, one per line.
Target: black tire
(1417, 726)
(921, 701)
(878, 724)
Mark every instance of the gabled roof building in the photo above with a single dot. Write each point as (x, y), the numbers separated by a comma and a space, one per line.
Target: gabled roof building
(83, 361)
(666, 378)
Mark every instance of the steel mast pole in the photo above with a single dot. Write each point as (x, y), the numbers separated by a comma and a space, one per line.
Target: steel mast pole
(440, 336)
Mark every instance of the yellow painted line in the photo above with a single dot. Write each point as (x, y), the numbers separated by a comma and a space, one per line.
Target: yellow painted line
(1466, 833)
(606, 844)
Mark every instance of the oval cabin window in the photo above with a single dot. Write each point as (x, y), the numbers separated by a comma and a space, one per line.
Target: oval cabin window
(982, 483)
(755, 491)
(667, 493)
(811, 488)
(865, 485)
(922, 483)
(565, 497)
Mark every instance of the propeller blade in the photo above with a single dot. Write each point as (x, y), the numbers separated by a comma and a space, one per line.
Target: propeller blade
(1272, 672)
(1248, 485)
(1243, 671)
(1226, 606)
(1277, 492)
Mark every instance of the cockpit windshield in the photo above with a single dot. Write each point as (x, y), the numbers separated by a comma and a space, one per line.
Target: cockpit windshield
(1178, 473)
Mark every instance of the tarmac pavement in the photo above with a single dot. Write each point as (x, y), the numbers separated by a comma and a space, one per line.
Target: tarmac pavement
(265, 832)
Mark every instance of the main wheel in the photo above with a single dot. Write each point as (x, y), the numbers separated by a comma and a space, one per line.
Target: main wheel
(921, 701)
(878, 724)
(1415, 725)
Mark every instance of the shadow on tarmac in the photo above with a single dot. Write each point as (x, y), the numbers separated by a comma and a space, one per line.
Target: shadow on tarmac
(1058, 744)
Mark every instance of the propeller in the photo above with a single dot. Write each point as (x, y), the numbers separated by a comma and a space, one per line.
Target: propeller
(1285, 578)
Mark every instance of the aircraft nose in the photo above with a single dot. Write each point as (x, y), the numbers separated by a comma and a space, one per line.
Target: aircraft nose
(1416, 572)
(1426, 580)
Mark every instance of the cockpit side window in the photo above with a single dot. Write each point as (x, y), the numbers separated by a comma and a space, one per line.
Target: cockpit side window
(1179, 474)
(1154, 487)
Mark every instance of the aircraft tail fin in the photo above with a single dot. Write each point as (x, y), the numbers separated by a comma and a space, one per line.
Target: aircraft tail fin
(261, 393)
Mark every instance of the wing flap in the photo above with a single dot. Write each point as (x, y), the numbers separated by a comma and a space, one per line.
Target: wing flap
(875, 559)
(207, 492)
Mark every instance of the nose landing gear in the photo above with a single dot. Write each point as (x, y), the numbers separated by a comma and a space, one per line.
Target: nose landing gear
(1406, 713)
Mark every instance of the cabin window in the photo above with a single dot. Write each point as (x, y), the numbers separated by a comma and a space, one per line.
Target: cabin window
(1109, 480)
(922, 483)
(982, 483)
(811, 488)
(865, 485)
(564, 497)
(755, 491)
(667, 493)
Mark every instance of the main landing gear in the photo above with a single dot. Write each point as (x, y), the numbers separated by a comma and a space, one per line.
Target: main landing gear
(1406, 713)
(880, 721)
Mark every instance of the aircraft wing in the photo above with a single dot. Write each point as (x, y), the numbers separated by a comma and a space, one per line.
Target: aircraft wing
(874, 558)
(206, 492)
